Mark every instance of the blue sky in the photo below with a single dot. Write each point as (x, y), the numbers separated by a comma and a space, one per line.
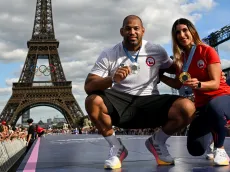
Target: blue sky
(84, 29)
(215, 20)
(7, 72)
(212, 21)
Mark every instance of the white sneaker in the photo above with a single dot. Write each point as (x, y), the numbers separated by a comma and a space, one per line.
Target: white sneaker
(210, 152)
(159, 151)
(220, 157)
(116, 155)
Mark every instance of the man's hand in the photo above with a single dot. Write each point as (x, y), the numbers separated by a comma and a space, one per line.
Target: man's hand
(223, 76)
(161, 73)
(121, 74)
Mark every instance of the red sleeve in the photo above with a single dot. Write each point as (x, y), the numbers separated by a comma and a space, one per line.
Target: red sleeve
(40, 129)
(212, 56)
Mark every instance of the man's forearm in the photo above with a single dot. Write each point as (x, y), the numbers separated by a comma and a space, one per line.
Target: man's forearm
(171, 69)
(98, 84)
(171, 82)
(29, 138)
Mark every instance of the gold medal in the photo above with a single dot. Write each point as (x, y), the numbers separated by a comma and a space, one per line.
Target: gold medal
(184, 76)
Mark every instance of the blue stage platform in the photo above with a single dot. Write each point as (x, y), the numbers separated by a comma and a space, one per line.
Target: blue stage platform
(86, 153)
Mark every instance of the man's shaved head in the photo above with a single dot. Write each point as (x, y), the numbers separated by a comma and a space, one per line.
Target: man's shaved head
(132, 32)
(131, 17)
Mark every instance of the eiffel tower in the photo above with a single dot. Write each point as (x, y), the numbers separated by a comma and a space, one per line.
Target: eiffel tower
(28, 93)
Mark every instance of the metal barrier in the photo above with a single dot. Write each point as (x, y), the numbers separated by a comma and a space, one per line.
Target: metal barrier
(10, 152)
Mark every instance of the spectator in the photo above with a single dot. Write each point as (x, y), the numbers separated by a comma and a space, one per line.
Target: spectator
(39, 130)
(31, 134)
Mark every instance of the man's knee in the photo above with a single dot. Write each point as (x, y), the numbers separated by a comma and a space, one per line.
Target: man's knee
(184, 108)
(93, 101)
(185, 105)
(94, 104)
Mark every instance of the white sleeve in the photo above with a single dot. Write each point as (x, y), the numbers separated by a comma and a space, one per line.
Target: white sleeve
(166, 60)
(101, 66)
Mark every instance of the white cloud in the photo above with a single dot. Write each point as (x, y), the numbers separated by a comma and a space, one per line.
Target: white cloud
(225, 63)
(9, 53)
(5, 91)
(78, 37)
(225, 47)
(17, 54)
(3, 46)
(199, 5)
(206, 4)
(10, 81)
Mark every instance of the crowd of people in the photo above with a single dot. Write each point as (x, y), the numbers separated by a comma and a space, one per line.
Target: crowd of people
(9, 133)
(28, 134)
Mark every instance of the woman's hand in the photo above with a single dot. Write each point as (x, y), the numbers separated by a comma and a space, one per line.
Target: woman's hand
(193, 83)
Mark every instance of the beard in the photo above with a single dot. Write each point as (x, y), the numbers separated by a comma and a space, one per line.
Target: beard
(132, 42)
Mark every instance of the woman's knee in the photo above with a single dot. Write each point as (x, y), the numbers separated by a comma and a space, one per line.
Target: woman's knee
(195, 148)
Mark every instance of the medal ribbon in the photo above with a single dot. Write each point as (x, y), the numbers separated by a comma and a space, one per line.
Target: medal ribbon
(133, 60)
(188, 62)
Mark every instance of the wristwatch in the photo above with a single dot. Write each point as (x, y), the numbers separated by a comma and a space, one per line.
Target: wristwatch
(199, 85)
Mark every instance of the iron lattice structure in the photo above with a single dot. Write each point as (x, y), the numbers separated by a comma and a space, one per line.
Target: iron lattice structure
(57, 92)
(218, 37)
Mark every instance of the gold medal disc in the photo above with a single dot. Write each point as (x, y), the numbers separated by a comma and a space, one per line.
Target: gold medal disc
(184, 76)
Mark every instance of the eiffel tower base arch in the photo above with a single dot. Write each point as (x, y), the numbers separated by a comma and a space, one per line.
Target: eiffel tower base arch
(57, 95)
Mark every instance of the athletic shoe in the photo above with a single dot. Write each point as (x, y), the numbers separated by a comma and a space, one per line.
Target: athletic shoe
(220, 157)
(210, 152)
(116, 155)
(159, 151)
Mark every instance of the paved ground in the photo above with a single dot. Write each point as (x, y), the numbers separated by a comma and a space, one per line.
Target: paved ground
(86, 153)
